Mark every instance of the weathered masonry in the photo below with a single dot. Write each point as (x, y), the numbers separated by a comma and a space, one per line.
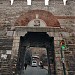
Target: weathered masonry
(56, 20)
(46, 2)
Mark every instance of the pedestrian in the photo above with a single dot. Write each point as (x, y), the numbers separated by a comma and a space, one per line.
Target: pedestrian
(25, 65)
(41, 64)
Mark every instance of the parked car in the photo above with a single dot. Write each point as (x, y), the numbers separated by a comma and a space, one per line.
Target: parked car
(34, 63)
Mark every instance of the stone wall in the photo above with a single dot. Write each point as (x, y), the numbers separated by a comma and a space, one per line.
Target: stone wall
(9, 14)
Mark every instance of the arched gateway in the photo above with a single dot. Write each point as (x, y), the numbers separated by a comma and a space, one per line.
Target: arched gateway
(41, 40)
(36, 28)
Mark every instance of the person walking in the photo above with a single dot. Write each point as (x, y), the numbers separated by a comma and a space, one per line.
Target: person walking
(25, 65)
(41, 64)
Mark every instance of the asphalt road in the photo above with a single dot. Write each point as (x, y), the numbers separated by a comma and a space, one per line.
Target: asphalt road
(34, 71)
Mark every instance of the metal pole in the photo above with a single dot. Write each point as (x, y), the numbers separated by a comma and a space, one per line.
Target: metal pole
(63, 63)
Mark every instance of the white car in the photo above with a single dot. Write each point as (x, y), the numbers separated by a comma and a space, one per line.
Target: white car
(34, 63)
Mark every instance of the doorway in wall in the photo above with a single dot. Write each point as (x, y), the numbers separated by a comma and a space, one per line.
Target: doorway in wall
(36, 47)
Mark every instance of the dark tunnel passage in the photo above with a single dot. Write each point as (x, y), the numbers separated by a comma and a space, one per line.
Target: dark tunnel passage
(37, 39)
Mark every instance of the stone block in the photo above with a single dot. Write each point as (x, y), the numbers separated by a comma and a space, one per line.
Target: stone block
(16, 38)
(15, 48)
(56, 42)
(9, 33)
(15, 44)
(16, 41)
(58, 55)
(56, 38)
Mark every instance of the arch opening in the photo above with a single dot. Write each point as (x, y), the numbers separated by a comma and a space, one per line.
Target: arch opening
(37, 40)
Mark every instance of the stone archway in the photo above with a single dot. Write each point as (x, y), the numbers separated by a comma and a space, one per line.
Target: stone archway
(37, 39)
(51, 23)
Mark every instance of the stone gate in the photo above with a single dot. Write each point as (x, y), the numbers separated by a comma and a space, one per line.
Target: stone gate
(36, 22)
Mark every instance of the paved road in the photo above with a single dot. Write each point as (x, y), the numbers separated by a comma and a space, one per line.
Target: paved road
(34, 71)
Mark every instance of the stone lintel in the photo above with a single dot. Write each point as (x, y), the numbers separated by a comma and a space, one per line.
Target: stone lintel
(39, 29)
